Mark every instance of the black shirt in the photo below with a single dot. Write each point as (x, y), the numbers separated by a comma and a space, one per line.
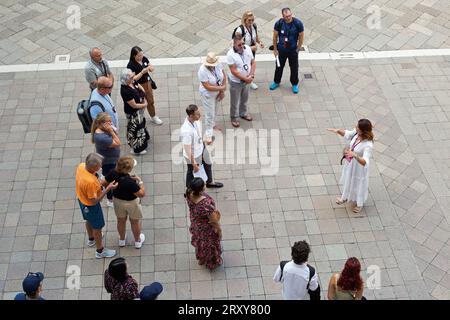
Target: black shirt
(126, 187)
(137, 68)
(128, 94)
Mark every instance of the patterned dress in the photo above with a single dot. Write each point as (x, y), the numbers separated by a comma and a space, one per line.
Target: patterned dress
(204, 237)
(126, 290)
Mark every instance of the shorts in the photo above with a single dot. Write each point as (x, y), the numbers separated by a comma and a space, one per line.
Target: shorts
(128, 208)
(93, 215)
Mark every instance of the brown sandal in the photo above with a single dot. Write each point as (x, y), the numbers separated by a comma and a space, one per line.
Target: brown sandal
(235, 124)
(247, 117)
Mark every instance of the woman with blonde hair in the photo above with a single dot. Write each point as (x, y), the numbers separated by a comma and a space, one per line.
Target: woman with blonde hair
(107, 144)
(249, 31)
(355, 174)
(127, 202)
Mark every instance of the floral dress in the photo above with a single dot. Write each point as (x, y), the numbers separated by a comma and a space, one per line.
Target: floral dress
(205, 239)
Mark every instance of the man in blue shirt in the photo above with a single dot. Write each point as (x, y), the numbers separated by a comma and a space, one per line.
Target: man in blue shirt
(102, 95)
(32, 287)
(288, 35)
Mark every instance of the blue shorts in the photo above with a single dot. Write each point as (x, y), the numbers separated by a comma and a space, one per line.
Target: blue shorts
(93, 215)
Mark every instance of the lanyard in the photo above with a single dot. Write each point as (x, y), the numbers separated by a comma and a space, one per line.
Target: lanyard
(214, 74)
(242, 57)
(250, 31)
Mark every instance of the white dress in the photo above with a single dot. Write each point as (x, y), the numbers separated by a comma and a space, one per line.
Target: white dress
(355, 177)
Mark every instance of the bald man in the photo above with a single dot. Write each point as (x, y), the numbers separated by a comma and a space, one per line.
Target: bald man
(96, 67)
(102, 95)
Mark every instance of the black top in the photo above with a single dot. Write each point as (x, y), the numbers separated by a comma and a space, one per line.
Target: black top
(137, 67)
(128, 94)
(126, 187)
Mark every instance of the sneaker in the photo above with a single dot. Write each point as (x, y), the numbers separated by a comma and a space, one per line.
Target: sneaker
(274, 85)
(156, 120)
(254, 86)
(295, 88)
(92, 243)
(123, 243)
(109, 203)
(138, 244)
(106, 253)
(138, 153)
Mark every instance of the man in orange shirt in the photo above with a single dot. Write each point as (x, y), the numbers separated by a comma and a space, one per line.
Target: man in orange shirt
(89, 193)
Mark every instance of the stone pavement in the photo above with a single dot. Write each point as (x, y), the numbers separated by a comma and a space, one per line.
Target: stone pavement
(36, 31)
(403, 228)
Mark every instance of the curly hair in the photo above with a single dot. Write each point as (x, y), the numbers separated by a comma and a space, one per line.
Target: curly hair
(300, 252)
(350, 278)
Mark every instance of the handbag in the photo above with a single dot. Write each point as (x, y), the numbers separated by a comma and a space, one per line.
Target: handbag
(345, 149)
(153, 84)
(214, 219)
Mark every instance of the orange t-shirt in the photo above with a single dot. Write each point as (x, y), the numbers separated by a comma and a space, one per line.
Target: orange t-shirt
(87, 185)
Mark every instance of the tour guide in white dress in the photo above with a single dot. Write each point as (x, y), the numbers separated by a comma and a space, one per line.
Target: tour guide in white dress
(355, 174)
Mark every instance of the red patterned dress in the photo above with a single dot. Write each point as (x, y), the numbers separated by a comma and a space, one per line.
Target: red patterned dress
(204, 237)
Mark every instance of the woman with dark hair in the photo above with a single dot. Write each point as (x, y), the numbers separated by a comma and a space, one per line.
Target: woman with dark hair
(355, 174)
(205, 229)
(141, 66)
(107, 143)
(347, 285)
(119, 283)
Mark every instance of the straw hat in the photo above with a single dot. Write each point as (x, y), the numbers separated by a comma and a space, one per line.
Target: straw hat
(211, 60)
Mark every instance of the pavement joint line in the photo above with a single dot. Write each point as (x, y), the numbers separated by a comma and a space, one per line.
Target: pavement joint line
(260, 58)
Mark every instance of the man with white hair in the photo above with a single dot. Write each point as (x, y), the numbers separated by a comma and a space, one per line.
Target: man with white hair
(96, 67)
(90, 194)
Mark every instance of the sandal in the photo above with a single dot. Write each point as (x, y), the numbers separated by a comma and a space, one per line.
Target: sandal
(235, 123)
(217, 128)
(340, 201)
(357, 209)
(247, 117)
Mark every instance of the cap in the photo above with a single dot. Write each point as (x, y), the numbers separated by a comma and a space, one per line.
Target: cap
(32, 281)
(152, 291)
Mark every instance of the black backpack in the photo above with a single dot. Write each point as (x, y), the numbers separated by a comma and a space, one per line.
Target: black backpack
(313, 295)
(243, 30)
(84, 113)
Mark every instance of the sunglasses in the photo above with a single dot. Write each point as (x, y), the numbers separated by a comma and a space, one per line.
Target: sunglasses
(107, 87)
(33, 274)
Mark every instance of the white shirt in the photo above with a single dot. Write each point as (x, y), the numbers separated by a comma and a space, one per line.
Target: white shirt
(206, 75)
(191, 135)
(249, 35)
(239, 60)
(295, 279)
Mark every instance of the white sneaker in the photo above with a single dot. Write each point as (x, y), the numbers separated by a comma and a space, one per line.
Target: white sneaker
(138, 153)
(123, 243)
(254, 86)
(138, 245)
(92, 243)
(156, 120)
(109, 203)
(106, 253)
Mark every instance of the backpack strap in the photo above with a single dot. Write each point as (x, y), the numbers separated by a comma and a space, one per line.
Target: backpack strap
(96, 103)
(278, 25)
(282, 264)
(256, 28)
(312, 272)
